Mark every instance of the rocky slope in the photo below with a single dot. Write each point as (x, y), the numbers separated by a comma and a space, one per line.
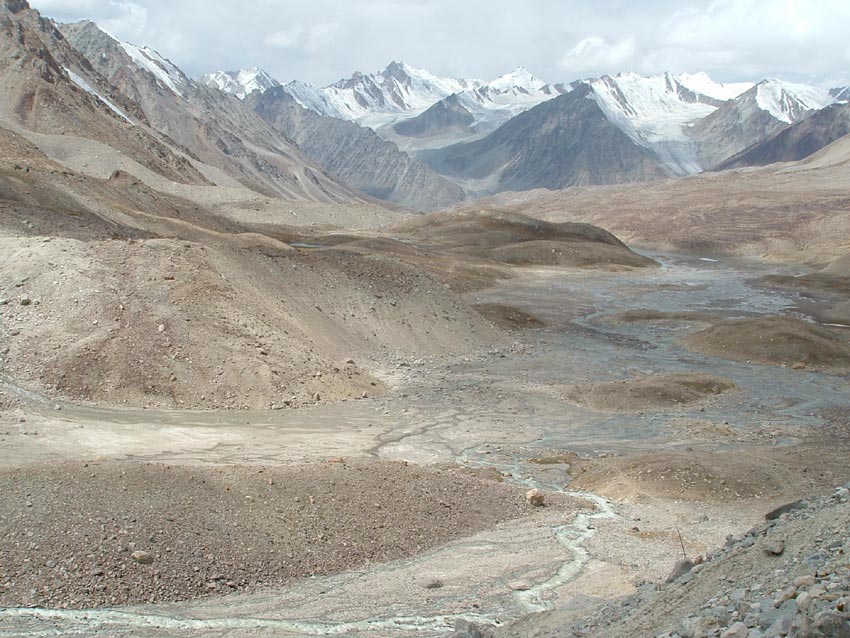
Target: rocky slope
(563, 142)
(49, 88)
(797, 141)
(115, 293)
(765, 109)
(218, 130)
(356, 154)
(786, 577)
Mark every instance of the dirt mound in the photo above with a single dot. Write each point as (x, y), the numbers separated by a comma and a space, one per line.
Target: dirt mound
(508, 316)
(489, 229)
(160, 322)
(699, 476)
(774, 340)
(514, 239)
(577, 254)
(649, 393)
(636, 316)
(68, 531)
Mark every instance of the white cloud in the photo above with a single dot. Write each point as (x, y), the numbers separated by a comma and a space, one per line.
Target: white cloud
(594, 52)
(559, 40)
(310, 39)
(129, 19)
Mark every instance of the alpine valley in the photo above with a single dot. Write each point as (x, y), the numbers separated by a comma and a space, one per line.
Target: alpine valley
(411, 356)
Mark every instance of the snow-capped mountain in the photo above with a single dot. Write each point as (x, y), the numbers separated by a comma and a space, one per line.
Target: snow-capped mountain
(623, 128)
(691, 122)
(376, 99)
(240, 83)
(756, 114)
(473, 112)
(787, 101)
(508, 95)
(703, 85)
(655, 111)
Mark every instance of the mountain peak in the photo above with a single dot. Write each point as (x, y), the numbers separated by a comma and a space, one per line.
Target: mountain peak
(701, 83)
(240, 83)
(16, 6)
(520, 79)
(398, 71)
(788, 101)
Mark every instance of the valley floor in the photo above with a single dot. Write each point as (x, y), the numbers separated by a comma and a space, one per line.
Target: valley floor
(684, 449)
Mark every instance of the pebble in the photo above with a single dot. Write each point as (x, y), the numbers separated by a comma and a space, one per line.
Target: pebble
(142, 557)
(535, 497)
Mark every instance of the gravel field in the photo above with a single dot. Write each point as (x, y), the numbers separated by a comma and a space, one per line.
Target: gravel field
(92, 534)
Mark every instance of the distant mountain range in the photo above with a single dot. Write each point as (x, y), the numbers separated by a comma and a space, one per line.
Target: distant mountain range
(403, 134)
(638, 128)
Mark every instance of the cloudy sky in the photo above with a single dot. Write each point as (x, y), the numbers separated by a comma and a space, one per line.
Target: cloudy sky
(321, 41)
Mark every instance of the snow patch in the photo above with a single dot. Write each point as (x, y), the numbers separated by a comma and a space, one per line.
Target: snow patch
(85, 86)
(701, 83)
(164, 71)
(787, 101)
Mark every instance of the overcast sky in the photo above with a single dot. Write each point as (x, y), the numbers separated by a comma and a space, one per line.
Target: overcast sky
(321, 41)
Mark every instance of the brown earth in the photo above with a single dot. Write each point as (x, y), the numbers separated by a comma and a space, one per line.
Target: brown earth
(160, 322)
(774, 340)
(653, 392)
(635, 316)
(798, 211)
(508, 317)
(771, 475)
(68, 531)
(683, 475)
(516, 239)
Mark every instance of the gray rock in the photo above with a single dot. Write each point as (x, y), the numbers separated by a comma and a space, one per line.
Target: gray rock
(466, 629)
(142, 557)
(831, 624)
(773, 514)
(681, 568)
(736, 630)
(784, 619)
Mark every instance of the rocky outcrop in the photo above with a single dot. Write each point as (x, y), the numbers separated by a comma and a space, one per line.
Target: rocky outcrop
(356, 154)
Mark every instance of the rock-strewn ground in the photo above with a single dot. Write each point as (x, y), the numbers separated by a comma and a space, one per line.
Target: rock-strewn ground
(787, 577)
(80, 534)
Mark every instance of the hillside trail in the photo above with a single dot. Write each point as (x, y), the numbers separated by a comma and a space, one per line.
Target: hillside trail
(503, 412)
